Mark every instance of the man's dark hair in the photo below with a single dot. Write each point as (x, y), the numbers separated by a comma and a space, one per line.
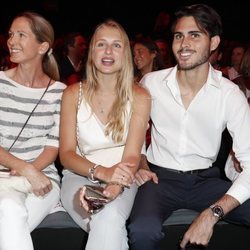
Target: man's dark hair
(207, 19)
(69, 40)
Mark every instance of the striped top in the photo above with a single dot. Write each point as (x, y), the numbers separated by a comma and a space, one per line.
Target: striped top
(42, 129)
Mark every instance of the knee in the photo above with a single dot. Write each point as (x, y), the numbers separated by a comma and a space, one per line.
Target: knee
(241, 215)
(139, 231)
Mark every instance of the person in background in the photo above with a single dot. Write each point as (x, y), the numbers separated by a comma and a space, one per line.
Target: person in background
(192, 105)
(243, 80)
(232, 71)
(72, 64)
(102, 130)
(147, 57)
(165, 52)
(34, 151)
(215, 57)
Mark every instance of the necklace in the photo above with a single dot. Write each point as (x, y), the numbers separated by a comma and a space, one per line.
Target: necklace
(104, 103)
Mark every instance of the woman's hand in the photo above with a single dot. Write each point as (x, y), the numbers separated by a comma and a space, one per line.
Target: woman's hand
(121, 174)
(83, 202)
(40, 183)
(112, 191)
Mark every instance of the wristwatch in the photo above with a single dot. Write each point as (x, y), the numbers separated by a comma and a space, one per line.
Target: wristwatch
(217, 211)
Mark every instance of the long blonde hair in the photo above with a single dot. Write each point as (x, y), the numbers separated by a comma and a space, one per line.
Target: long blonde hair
(124, 86)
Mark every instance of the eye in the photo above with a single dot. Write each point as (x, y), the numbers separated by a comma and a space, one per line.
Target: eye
(100, 44)
(177, 36)
(21, 34)
(117, 45)
(10, 34)
(195, 35)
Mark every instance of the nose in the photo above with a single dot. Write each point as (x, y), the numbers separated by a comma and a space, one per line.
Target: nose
(185, 42)
(11, 39)
(108, 49)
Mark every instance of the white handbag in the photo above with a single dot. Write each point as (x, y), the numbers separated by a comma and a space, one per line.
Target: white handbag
(18, 183)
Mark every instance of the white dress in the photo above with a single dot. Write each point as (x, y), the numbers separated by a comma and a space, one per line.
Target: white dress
(107, 230)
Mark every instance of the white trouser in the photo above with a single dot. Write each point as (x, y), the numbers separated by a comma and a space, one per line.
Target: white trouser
(107, 228)
(20, 214)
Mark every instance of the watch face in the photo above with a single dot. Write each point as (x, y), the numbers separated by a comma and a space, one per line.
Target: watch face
(218, 211)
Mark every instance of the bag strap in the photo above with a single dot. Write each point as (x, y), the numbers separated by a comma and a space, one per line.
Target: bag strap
(29, 116)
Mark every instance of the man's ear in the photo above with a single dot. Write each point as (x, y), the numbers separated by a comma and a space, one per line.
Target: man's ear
(215, 41)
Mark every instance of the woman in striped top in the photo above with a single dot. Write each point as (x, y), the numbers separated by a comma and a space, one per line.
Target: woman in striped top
(33, 154)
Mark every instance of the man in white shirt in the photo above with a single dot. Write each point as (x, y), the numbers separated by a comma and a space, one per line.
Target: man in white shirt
(191, 106)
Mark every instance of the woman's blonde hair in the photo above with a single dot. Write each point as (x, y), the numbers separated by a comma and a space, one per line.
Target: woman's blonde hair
(124, 84)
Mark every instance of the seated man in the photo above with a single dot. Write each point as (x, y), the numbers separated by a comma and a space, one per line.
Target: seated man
(192, 105)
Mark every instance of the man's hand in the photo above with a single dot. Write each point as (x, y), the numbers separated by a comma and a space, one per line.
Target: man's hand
(201, 230)
(143, 175)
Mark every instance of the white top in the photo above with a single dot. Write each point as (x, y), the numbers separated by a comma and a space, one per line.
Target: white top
(94, 144)
(42, 129)
(190, 139)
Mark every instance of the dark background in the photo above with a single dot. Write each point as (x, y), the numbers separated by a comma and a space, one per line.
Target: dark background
(135, 16)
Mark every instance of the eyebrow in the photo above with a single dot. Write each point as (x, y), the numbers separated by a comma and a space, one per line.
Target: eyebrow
(190, 32)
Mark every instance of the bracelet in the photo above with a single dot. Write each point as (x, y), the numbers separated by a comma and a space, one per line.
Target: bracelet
(91, 174)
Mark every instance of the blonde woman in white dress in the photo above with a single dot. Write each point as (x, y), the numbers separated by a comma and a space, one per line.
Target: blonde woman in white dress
(103, 126)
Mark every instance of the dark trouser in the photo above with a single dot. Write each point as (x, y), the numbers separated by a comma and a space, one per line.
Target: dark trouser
(154, 203)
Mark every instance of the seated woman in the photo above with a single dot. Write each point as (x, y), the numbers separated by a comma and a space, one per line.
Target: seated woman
(30, 96)
(103, 126)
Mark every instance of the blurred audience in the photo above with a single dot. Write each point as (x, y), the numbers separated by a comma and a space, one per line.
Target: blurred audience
(71, 64)
(243, 79)
(232, 71)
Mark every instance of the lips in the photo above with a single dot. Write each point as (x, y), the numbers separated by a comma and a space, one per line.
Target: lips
(108, 61)
(12, 51)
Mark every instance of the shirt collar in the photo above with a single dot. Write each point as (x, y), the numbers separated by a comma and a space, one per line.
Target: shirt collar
(214, 77)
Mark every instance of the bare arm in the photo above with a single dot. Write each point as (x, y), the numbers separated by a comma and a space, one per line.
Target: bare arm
(201, 230)
(68, 143)
(137, 128)
(136, 135)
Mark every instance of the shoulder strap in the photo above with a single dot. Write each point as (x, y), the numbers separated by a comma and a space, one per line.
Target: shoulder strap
(79, 95)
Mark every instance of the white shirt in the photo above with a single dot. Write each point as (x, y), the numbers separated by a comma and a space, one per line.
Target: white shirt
(189, 139)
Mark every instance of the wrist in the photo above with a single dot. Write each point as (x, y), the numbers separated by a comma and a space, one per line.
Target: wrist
(121, 187)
